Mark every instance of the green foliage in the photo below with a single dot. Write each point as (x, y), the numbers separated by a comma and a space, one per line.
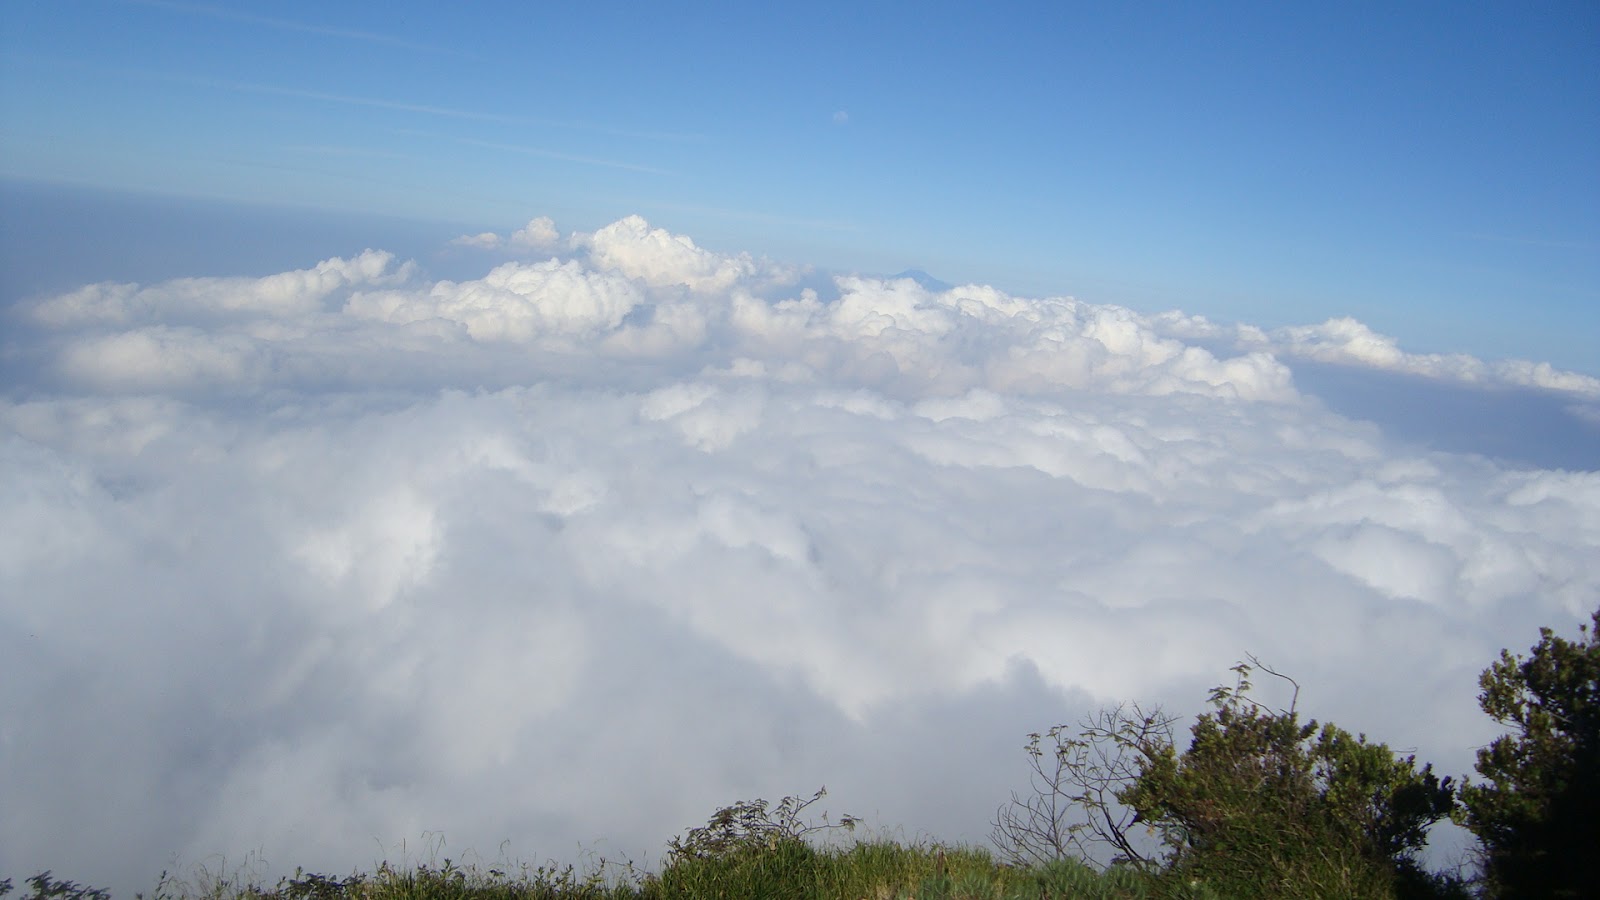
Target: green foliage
(453, 882)
(1075, 879)
(749, 849)
(43, 887)
(786, 869)
(1264, 805)
(751, 824)
(319, 887)
(878, 870)
(425, 881)
(1537, 813)
(885, 869)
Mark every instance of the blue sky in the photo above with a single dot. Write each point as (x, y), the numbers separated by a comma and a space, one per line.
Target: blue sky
(1431, 169)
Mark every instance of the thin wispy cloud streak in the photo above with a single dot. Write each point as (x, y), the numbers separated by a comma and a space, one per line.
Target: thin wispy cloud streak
(233, 15)
(337, 150)
(448, 112)
(245, 87)
(378, 103)
(742, 215)
(1587, 246)
(541, 152)
(349, 100)
(617, 529)
(331, 174)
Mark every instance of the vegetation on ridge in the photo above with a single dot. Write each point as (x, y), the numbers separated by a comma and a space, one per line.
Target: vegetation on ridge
(1259, 804)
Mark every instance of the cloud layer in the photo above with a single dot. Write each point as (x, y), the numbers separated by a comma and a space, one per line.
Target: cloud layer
(626, 529)
(1346, 341)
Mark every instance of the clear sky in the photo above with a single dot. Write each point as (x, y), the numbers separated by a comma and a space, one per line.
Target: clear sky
(1431, 169)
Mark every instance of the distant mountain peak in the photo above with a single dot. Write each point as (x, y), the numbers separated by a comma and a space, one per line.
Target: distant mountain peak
(923, 278)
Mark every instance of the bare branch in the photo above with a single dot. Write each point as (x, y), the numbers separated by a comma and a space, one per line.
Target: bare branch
(1075, 777)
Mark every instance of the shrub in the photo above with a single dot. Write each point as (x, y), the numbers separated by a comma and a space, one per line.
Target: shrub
(1537, 812)
(750, 850)
(1260, 804)
(43, 887)
(1263, 805)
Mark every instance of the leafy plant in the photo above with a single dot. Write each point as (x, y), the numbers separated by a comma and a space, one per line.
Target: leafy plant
(46, 888)
(1260, 803)
(1264, 805)
(1537, 812)
(305, 886)
(752, 824)
(751, 849)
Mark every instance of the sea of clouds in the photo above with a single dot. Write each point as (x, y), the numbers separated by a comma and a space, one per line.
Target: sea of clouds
(320, 568)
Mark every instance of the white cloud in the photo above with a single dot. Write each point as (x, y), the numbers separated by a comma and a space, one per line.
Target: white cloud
(514, 301)
(161, 358)
(1346, 341)
(1523, 373)
(289, 294)
(299, 563)
(663, 259)
(538, 236)
(486, 240)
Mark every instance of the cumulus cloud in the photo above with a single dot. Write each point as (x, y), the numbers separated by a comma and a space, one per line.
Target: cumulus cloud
(583, 548)
(515, 301)
(663, 259)
(486, 240)
(1346, 341)
(538, 236)
(654, 256)
(285, 295)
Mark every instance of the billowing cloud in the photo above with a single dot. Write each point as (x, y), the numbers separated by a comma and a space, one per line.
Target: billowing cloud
(515, 301)
(661, 258)
(1346, 341)
(286, 295)
(538, 236)
(578, 550)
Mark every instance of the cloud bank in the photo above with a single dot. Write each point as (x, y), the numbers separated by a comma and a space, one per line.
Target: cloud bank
(625, 529)
(1346, 341)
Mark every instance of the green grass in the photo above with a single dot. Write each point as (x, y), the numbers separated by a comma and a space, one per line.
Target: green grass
(782, 869)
